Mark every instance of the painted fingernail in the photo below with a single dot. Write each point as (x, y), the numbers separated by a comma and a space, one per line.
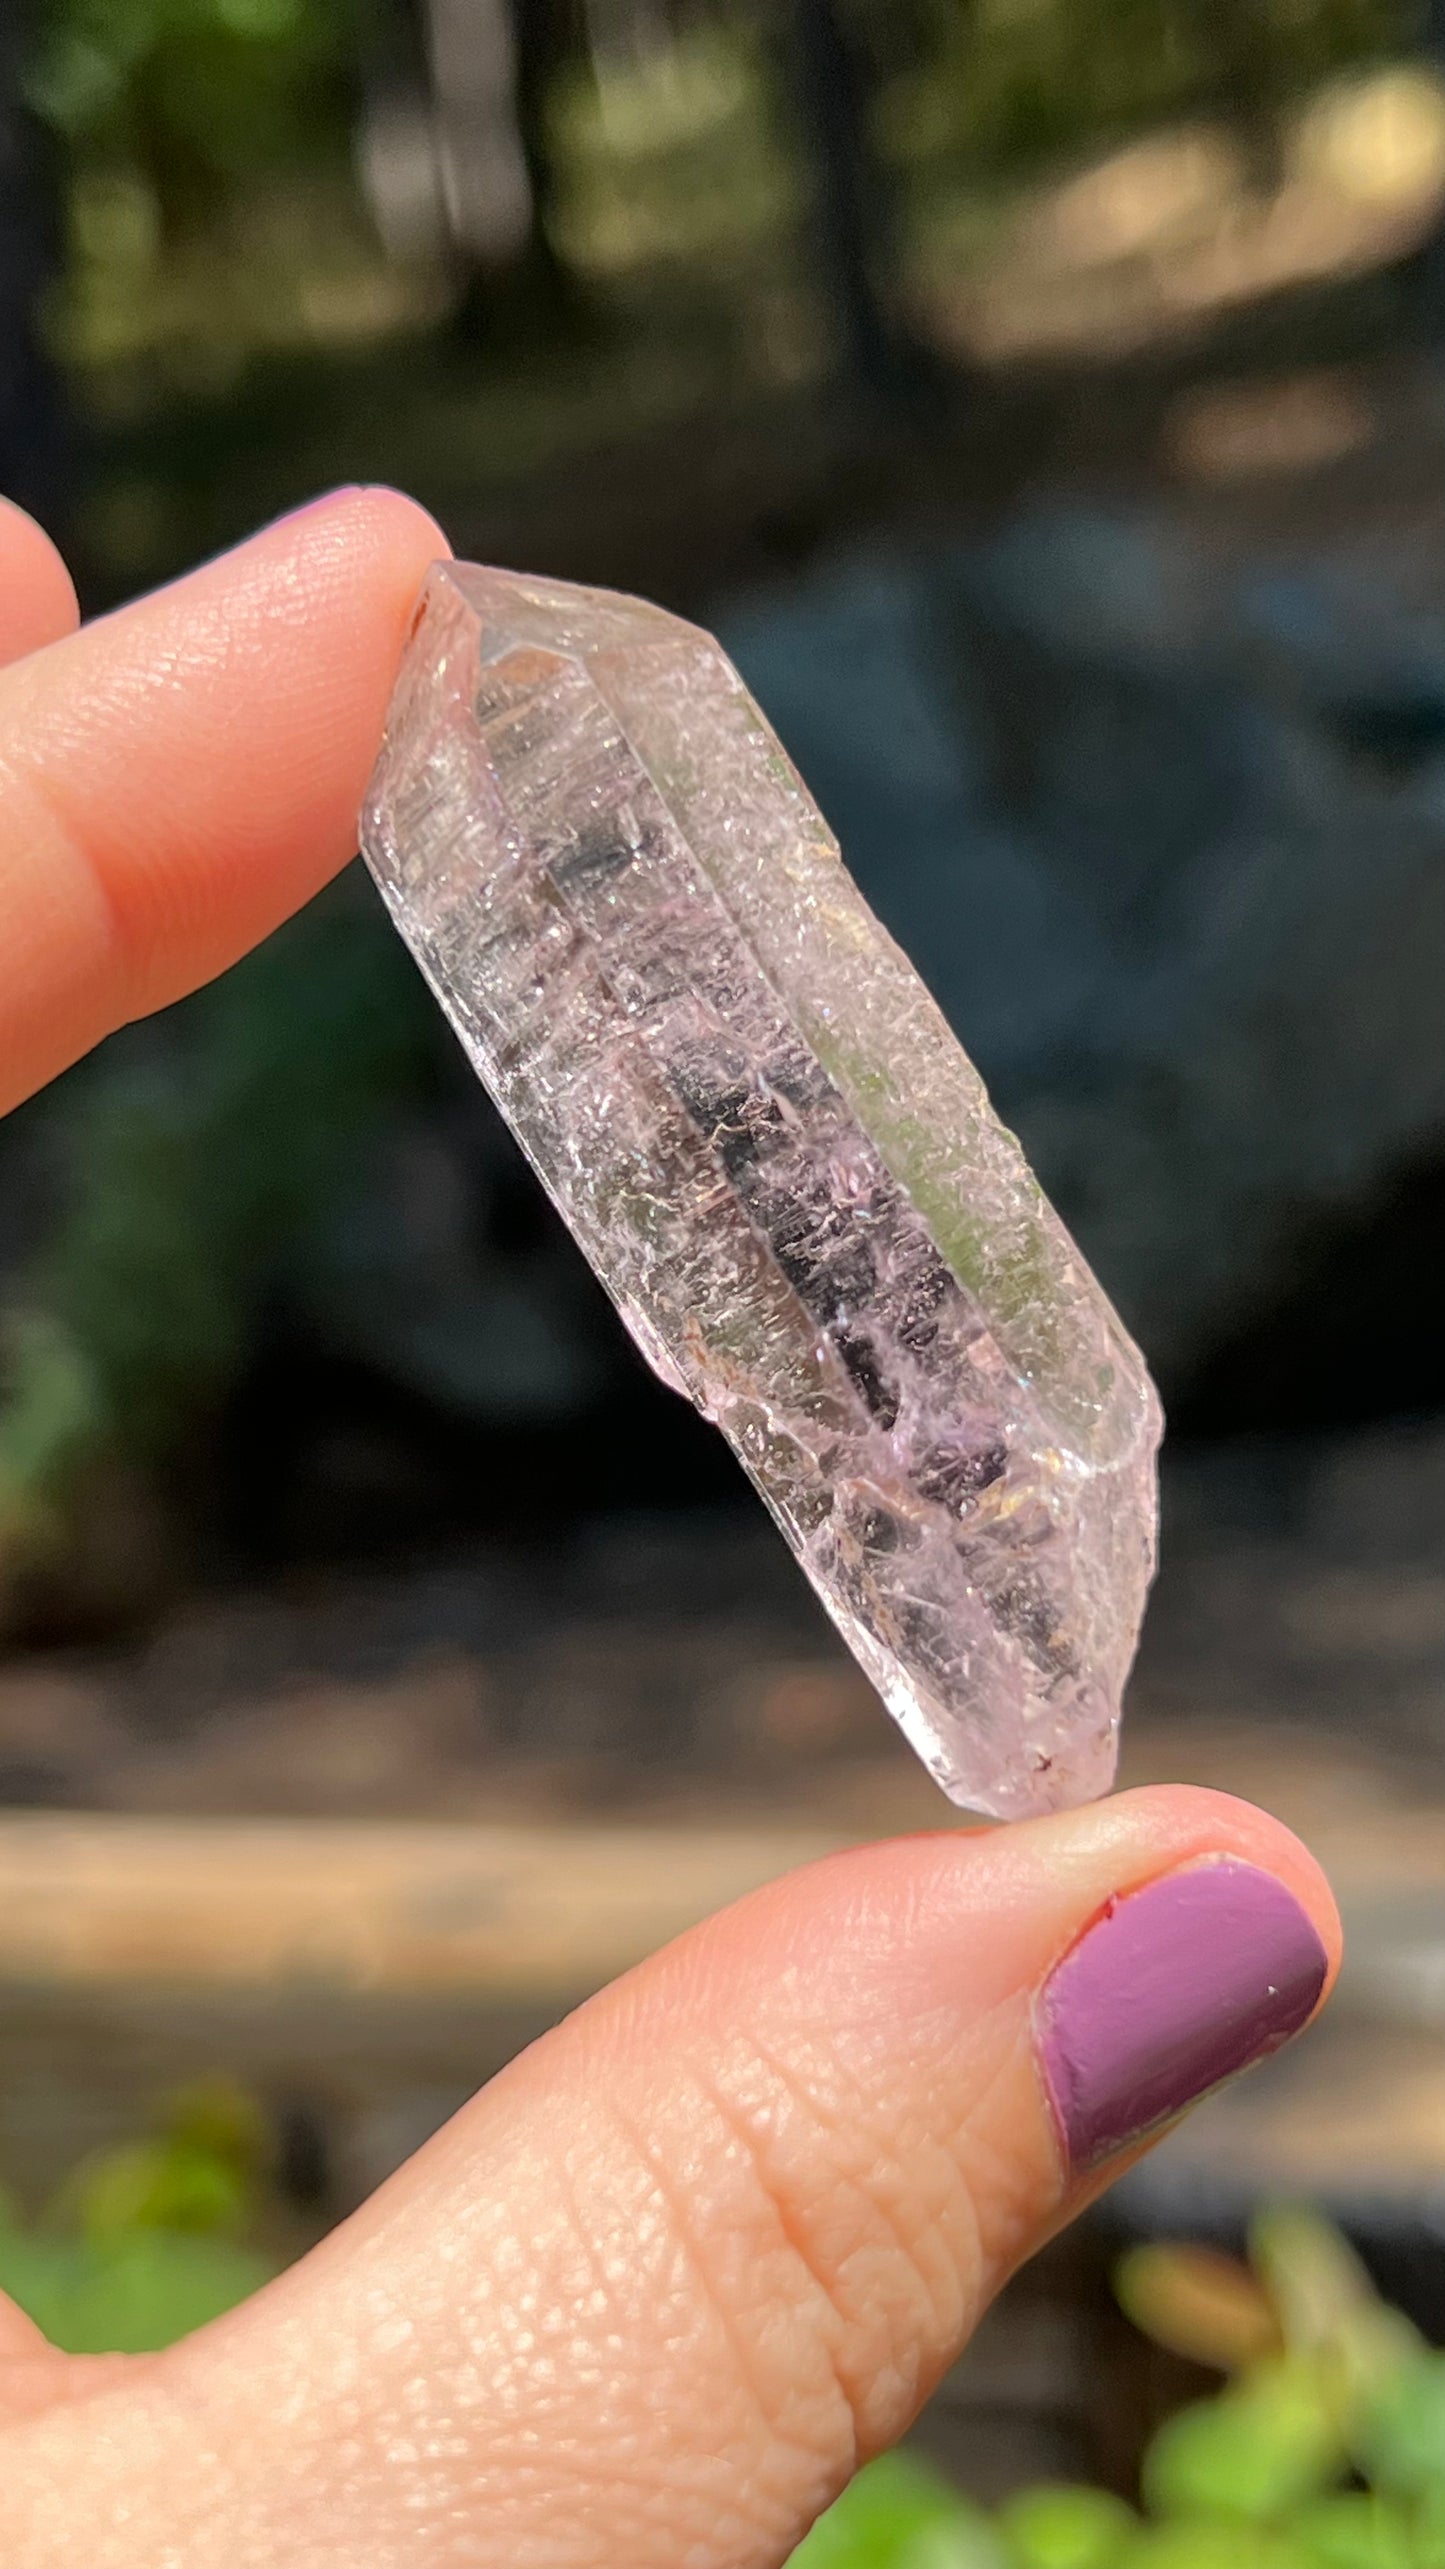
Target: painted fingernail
(1172, 1990)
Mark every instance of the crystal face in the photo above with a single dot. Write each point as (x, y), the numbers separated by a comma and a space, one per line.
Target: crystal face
(779, 1161)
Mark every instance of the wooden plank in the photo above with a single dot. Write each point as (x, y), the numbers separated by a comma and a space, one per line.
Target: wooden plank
(535, 1910)
(389, 1965)
(517, 1913)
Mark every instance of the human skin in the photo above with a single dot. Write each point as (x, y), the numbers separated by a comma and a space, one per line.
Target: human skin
(665, 2282)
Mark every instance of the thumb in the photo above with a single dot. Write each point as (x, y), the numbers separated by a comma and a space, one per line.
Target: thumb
(661, 2287)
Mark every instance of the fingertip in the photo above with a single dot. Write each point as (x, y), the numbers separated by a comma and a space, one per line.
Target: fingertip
(370, 524)
(186, 772)
(38, 604)
(346, 568)
(804, 2144)
(1197, 1964)
(1193, 1821)
(400, 517)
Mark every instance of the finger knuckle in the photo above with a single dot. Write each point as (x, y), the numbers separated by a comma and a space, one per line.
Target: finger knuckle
(834, 2238)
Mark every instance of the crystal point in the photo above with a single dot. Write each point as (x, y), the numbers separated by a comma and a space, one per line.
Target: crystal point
(779, 1161)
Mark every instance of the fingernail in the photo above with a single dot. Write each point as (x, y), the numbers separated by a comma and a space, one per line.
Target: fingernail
(1171, 1991)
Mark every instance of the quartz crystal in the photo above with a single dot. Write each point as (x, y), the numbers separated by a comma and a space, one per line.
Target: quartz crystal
(779, 1161)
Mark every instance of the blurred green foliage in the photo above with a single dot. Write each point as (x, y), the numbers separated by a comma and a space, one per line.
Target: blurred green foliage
(1326, 2450)
(209, 199)
(212, 211)
(200, 93)
(898, 2514)
(213, 207)
(148, 2241)
(672, 150)
(189, 1162)
(1010, 82)
(1063, 2528)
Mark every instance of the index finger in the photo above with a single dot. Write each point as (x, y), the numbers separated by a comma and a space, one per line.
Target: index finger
(179, 777)
(37, 594)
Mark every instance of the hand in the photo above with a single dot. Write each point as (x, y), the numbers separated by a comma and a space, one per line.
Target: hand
(654, 2294)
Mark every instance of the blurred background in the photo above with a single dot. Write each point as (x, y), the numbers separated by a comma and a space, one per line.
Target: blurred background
(1045, 401)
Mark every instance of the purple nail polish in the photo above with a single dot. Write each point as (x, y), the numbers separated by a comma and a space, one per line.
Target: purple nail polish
(1173, 1989)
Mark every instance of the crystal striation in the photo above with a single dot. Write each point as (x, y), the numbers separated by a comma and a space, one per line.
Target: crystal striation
(779, 1161)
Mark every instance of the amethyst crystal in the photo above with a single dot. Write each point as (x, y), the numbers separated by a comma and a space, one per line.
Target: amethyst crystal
(779, 1161)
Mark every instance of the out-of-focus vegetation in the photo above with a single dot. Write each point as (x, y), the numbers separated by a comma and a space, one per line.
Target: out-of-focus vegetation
(1324, 2450)
(671, 151)
(209, 198)
(998, 86)
(189, 1163)
(214, 206)
(206, 183)
(145, 2242)
(216, 215)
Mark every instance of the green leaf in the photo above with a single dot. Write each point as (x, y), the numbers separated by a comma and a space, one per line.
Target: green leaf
(200, 2176)
(898, 2514)
(220, 2115)
(1254, 2453)
(1313, 2277)
(1065, 2528)
(159, 2185)
(130, 2299)
(1327, 2303)
(1402, 2439)
(1198, 2303)
(1205, 2545)
(1356, 2531)
(967, 2541)
(1428, 2527)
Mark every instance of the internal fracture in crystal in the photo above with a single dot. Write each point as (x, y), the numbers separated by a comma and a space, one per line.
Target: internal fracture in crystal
(778, 1159)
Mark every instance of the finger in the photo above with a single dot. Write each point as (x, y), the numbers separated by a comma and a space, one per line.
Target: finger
(689, 2260)
(179, 777)
(37, 594)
